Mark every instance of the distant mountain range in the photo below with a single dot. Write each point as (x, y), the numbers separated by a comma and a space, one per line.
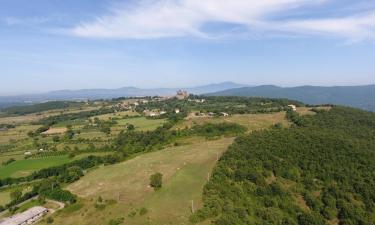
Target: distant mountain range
(356, 96)
(91, 94)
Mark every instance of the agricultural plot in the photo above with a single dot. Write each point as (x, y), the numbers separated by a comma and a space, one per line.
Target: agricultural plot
(250, 121)
(16, 134)
(185, 170)
(116, 115)
(25, 167)
(5, 197)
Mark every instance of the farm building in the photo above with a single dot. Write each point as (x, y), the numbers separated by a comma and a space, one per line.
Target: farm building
(30, 216)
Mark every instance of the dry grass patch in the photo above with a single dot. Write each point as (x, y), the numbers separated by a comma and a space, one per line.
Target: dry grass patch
(184, 168)
(55, 130)
(250, 121)
(305, 111)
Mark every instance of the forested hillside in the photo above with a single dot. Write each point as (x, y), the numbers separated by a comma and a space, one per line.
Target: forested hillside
(321, 171)
(355, 96)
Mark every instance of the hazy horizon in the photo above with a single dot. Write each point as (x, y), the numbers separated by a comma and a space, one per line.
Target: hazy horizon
(173, 87)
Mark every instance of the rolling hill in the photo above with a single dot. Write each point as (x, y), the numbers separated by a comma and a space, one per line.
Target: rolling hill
(356, 96)
(84, 94)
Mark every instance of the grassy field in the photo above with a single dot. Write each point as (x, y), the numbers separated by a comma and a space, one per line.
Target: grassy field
(140, 123)
(304, 111)
(185, 170)
(4, 119)
(250, 121)
(15, 134)
(24, 167)
(27, 166)
(5, 197)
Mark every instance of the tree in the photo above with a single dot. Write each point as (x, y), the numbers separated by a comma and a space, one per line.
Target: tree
(15, 195)
(56, 138)
(41, 199)
(156, 180)
(130, 127)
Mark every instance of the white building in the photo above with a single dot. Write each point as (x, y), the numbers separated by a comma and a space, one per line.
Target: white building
(177, 111)
(294, 108)
(30, 216)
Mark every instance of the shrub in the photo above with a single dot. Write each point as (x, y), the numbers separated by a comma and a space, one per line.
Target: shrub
(156, 180)
(143, 211)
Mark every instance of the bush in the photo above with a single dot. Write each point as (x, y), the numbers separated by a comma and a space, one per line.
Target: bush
(156, 180)
(143, 211)
(49, 220)
(117, 221)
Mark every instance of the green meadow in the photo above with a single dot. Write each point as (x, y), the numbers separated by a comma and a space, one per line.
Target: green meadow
(27, 166)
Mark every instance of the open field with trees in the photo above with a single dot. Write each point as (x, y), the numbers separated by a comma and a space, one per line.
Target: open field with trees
(185, 170)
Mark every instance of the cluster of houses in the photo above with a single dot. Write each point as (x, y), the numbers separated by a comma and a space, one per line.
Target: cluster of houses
(29, 153)
(30, 216)
(153, 113)
(210, 114)
(197, 100)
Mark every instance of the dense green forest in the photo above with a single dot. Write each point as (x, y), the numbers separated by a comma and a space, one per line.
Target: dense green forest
(320, 171)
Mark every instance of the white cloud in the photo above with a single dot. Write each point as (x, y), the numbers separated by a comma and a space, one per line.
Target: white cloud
(358, 27)
(150, 19)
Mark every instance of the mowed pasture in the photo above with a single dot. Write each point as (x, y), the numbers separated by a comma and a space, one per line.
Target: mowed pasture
(250, 121)
(27, 166)
(185, 171)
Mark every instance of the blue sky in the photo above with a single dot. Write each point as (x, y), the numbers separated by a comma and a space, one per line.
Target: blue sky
(69, 44)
